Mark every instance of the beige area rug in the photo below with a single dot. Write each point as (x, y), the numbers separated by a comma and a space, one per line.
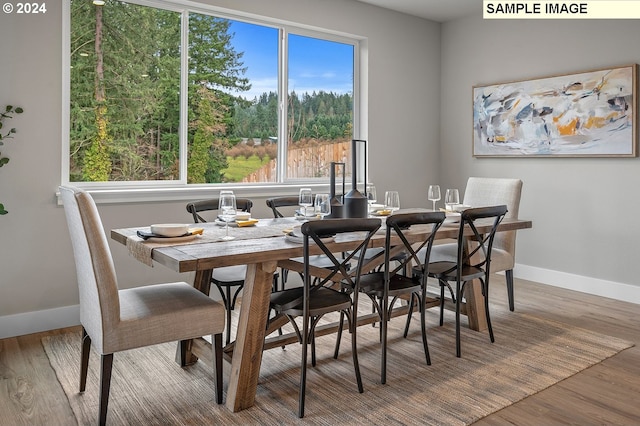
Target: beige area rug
(529, 355)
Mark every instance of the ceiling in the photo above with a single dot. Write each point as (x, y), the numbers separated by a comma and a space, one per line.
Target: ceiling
(434, 10)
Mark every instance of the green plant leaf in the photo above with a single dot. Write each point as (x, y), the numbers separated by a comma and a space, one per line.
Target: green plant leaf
(8, 108)
(2, 210)
(3, 161)
(19, 110)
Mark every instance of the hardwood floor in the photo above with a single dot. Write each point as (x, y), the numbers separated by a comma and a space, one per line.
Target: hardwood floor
(607, 393)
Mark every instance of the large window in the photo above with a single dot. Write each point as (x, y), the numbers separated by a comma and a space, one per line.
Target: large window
(163, 95)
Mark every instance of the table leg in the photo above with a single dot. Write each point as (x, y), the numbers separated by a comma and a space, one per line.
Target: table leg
(252, 324)
(476, 314)
(202, 282)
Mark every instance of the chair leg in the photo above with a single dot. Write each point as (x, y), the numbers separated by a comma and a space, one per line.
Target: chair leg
(509, 276)
(303, 368)
(423, 326)
(406, 326)
(485, 285)
(229, 307)
(84, 359)
(339, 336)
(383, 333)
(458, 300)
(182, 347)
(105, 384)
(441, 304)
(217, 366)
(354, 348)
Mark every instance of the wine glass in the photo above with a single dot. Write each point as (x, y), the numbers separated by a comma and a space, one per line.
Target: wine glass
(434, 195)
(371, 194)
(392, 200)
(451, 198)
(305, 199)
(227, 208)
(322, 206)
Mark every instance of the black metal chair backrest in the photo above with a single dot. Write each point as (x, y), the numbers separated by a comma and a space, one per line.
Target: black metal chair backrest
(276, 202)
(481, 242)
(195, 207)
(341, 271)
(400, 225)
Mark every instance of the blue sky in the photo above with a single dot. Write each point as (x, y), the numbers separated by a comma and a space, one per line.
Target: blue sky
(313, 64)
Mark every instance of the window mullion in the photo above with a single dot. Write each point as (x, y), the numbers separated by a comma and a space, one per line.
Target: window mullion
(283, 141)
(184, 94)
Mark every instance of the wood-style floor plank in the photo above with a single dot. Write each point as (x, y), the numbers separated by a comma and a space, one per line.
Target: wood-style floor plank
(607, 393)
(29, 391)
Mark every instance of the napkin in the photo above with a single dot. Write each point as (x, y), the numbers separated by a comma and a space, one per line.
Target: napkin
(248, 222)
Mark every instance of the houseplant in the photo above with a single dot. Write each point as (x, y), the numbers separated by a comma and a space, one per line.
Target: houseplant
(8, 113)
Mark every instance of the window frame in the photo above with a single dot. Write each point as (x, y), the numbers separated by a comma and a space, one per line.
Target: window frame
(174, 190)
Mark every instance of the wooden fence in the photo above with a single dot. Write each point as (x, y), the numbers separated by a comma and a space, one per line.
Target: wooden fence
(311, 161)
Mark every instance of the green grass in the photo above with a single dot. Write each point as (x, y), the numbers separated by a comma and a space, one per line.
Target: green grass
(240, 167)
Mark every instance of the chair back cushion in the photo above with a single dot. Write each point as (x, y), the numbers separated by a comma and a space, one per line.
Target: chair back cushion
(96, 275)
(484, 192)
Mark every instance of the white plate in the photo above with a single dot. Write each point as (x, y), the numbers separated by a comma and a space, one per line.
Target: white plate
(232, 224)
(452, 217)
(181, 239)
(299, 240)
(170, 229)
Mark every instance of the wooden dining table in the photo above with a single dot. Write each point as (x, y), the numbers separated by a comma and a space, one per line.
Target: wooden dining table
(263, 254)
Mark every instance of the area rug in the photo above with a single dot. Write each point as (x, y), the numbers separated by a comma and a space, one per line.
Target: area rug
(529, 355)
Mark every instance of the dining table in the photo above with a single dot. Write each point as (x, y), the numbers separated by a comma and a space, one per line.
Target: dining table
(263, 248)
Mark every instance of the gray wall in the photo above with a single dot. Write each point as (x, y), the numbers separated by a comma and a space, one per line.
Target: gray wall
(37, 278)
(583, 209)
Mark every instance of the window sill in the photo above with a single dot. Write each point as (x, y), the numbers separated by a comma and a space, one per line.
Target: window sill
(183, 193)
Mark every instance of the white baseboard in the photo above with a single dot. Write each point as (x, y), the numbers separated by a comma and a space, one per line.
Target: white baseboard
(37, 321)
(595, 286)
(51, 319)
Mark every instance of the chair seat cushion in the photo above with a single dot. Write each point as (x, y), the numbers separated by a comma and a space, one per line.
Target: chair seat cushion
(163, 313)
(501, 260)
(233, 275)
(447, 271)
(324, 300)
(373, 284)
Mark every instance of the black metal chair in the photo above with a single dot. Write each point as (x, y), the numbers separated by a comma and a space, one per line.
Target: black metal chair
(392, 280)
(227, 277)
(473, 262)
(276, 204)
(315, 298)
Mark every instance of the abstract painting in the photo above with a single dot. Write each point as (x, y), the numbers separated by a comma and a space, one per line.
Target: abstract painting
(589, 114)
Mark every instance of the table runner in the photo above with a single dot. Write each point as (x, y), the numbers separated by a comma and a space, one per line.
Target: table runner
(266, 228)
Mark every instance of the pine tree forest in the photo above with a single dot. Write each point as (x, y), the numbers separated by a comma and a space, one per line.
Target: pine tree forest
(125, 100)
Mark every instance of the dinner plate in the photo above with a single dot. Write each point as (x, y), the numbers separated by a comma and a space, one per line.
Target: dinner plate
(181, 239)
(234, 224)
(452, 217)
(299, 240)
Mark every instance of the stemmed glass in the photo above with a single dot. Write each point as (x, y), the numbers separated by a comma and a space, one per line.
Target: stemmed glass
(392, 200)
(305, 199)
(451, 198)
(434, 195)
(322, 206)
(227, 208)
(371, 194)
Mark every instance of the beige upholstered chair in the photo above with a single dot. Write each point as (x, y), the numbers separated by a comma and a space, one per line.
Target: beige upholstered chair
(116, 320)
(484, 192)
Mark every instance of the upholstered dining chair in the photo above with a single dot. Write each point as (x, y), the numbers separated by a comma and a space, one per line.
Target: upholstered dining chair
(116, 320)
(483, 192)
(473, 261)
(316, 298)
(227, 277)
(392, 282)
